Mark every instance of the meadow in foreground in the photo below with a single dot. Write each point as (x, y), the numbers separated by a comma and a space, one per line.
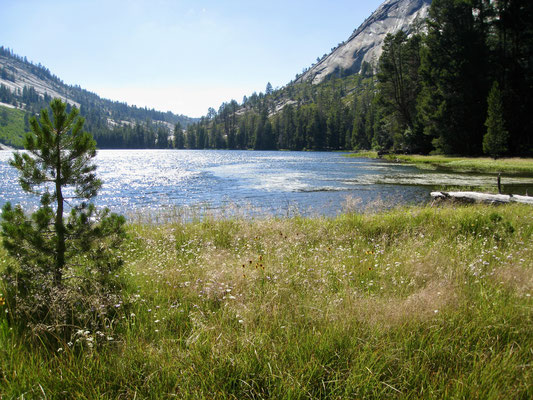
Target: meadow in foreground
(410, 303)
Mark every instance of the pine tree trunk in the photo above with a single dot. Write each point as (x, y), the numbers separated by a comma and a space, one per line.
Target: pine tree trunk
(59, 225)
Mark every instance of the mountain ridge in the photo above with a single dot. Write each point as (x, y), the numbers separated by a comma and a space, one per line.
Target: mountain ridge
(29, 83)
(29, 87)
(365, 43)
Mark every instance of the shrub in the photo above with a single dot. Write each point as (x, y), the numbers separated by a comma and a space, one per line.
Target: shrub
(63, 273)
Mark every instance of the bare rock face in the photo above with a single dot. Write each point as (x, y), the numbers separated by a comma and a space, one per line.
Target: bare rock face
(365, 44)
(25, 77)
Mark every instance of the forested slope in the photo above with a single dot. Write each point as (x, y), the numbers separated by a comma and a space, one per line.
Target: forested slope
(30, 87)
(428, 92)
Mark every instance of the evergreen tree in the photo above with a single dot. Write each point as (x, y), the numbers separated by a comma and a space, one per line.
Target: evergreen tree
(269, 88)
(58, 166)
(454, 76)
(191, 136)
(162, 138)
(399, 86)
(514, 69)
(179, 139)
(269, 140)
(496, 139)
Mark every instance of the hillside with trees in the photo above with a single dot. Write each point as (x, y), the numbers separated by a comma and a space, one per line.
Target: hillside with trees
(28, 88)
(429, 92)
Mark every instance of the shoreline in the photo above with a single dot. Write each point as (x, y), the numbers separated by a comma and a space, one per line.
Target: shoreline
(514, 166)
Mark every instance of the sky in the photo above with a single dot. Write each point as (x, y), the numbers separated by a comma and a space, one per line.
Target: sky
(182, 56)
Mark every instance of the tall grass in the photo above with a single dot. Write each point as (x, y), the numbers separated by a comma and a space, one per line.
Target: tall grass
(410, 303)
(11, 126)
(513, 166)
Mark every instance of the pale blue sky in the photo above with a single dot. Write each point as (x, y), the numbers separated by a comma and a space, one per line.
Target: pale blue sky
(184, 56)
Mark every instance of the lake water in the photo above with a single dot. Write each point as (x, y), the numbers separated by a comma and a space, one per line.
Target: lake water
(147, 182)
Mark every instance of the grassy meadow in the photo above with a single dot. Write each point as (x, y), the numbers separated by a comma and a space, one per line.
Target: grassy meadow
(513, 166)
(509, 166)
(11, 126)
(421, 302)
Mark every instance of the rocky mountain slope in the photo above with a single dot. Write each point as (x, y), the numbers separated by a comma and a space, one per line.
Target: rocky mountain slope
(366, 42)
(25, 85)
(17, 74)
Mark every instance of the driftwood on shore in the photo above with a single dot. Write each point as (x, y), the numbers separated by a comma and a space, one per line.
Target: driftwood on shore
(475, 197)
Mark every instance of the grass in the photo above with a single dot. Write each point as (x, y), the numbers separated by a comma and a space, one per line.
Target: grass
(510, 166)
(516, 166)
(364, 154)
(12, 127)
(411, 303)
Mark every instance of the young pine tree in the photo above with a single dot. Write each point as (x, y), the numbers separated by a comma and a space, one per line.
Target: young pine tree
(496, 139)
(63, 270)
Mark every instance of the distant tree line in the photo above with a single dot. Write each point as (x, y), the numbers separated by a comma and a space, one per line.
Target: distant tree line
(300, 116)
(430, 93)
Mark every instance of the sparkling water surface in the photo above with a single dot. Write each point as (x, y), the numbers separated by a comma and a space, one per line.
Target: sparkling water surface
(281, 183)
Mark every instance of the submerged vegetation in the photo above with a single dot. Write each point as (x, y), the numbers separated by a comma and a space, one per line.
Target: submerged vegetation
(411, 303)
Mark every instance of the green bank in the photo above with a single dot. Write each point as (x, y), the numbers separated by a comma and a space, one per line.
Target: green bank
(13, 124)
(510, 166)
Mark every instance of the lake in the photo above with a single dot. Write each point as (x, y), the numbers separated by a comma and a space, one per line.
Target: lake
(148, 182)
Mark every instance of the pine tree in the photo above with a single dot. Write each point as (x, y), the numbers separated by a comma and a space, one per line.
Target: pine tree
(399, 86)
(179, 139)
(269, 88)
(454, 71)
(58, 166)
(496, 139)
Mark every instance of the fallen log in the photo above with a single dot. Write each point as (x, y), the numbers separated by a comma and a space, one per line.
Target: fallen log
(476, 197)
